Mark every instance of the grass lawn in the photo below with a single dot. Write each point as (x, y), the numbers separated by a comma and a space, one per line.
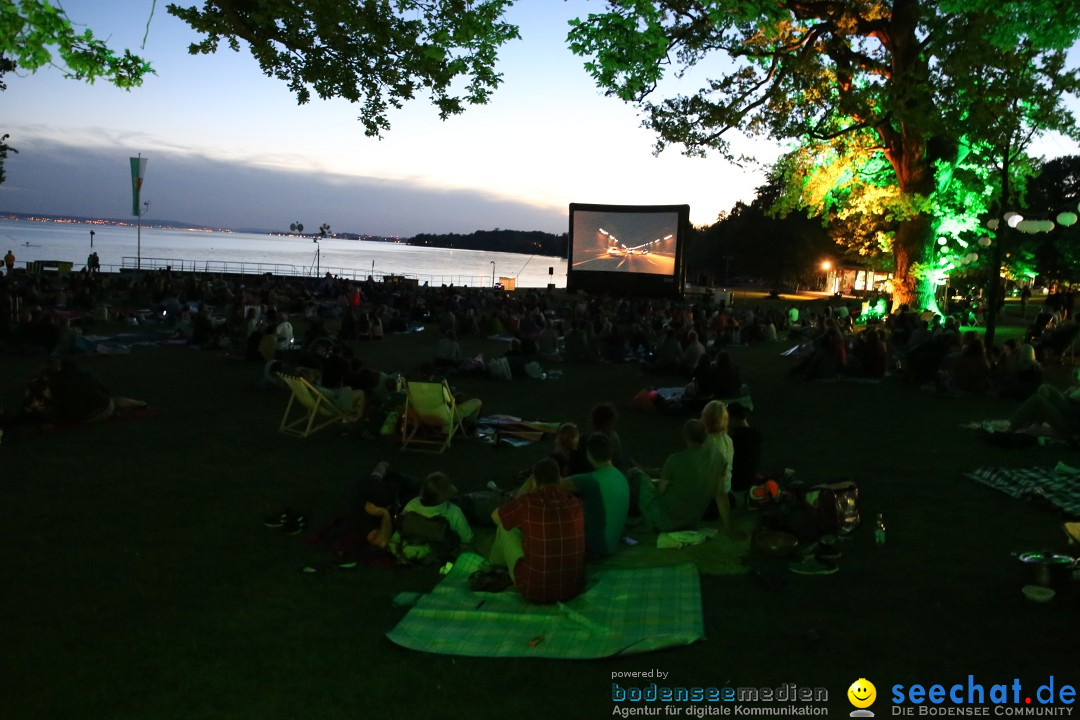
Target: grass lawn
(140, 583)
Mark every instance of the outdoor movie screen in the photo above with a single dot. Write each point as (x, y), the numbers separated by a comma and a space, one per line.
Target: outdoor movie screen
(634, 241)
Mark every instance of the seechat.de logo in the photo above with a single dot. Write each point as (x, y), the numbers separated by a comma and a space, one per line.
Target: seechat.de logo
(862, 694)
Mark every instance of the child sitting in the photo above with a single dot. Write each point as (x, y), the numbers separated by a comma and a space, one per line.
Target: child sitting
(437, 525)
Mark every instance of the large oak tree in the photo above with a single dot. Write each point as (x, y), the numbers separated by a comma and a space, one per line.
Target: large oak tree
(910, 74)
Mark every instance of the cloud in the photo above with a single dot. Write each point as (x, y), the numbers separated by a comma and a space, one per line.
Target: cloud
(55, 178)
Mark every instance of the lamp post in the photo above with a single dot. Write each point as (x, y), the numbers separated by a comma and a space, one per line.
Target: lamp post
(825, 267)
(492, 273)
(91, 239)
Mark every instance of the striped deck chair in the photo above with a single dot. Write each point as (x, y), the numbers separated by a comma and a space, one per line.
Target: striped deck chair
(313, 409)
(430, 420)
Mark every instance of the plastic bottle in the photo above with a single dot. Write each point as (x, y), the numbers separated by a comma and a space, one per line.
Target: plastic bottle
(879, 530)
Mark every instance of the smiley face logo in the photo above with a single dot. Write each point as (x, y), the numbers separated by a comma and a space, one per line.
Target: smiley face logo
(862, 693)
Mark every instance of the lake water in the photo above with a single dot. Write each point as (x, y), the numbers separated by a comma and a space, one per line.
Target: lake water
(201, 251)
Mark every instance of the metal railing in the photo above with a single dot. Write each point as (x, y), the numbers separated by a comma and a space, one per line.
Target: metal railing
(254, 269)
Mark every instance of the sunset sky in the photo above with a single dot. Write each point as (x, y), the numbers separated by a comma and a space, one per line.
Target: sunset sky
(230, 147)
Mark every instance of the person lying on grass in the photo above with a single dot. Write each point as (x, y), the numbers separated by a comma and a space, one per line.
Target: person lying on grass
(64, 392)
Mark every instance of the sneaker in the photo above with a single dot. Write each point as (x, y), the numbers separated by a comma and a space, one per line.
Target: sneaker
(275, 521)
(812, 567)
(283, 518)
(828, 553)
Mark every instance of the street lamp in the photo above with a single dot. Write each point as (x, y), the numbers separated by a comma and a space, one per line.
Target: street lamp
(492, 273)
(91, 239)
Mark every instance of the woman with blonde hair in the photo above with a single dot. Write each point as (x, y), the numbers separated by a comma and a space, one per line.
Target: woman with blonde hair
(715, 418)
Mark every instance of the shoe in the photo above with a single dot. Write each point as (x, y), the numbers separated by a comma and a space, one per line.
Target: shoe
(812, 567)
(275, 521)
(282, 518)
(828, 553)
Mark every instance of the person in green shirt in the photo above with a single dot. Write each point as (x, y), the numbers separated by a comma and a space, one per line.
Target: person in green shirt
(689, 480)
(605, 493)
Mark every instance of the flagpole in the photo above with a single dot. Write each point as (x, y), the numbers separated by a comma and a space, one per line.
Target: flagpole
(138, 168)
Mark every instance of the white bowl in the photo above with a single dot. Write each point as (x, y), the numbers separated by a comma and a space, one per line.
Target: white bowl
(1038, 593)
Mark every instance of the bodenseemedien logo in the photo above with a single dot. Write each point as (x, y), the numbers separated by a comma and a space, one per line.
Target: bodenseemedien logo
(862, 694)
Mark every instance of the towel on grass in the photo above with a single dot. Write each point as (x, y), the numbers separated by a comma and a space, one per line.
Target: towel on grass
(621, 612)
(1059, 486)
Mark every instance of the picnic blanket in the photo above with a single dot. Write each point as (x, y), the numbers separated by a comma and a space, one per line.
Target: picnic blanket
(621, 612)
(1059, 485)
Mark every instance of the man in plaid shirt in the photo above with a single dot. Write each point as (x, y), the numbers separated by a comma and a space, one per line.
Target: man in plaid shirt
(540, 538)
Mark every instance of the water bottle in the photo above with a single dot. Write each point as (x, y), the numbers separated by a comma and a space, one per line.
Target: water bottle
(879, 530)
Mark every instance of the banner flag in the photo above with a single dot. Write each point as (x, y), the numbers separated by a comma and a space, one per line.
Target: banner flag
(138, 171)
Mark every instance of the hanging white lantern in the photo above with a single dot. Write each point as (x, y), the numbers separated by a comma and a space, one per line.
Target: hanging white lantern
(1027, 226)
(1014, 219)
(974, 257)
(1066, 219)
(942, 241)
(984, 241)
(992, 223)
(970, 257)
(1048, 226)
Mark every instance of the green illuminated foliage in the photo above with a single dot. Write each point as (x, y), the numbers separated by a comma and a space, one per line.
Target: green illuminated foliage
(376, 53)
(854, 83)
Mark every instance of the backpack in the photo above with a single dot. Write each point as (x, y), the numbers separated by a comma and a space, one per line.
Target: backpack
(423, 537)
(837, 506)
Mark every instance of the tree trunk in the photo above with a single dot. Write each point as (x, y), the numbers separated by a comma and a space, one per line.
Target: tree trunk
(906, 148)
(912, 244)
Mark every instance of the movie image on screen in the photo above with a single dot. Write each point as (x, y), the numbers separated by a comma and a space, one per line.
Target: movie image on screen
(624, 242)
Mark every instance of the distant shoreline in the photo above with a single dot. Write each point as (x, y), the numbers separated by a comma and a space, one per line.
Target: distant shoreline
(507, 241)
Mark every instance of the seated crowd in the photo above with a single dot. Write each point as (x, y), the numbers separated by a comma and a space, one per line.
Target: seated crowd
(577, 504)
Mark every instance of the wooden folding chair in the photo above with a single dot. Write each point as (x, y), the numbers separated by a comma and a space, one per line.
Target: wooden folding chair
(430, 420)
(313, 410)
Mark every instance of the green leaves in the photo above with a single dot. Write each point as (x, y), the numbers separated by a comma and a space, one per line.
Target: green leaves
(34, 33)
(376, 53)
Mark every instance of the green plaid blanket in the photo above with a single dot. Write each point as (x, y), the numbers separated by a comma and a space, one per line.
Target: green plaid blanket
(622, 611)
(1059, 485)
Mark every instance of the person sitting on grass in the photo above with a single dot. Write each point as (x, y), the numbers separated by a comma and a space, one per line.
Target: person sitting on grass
(540, 538)
(365, 532)
(715, 418)
(1060, 410)
(690, 479)
(64, 392)
(568, 452)
(434, 502)
(448, 351)
(604, 418)
(605, 495)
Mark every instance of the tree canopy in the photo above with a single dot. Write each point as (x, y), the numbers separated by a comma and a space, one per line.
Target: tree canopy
(36, 33)
(372, 52)
(914, 82)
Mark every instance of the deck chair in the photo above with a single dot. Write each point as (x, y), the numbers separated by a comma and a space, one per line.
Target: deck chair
(430, 420)
(313, 410)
